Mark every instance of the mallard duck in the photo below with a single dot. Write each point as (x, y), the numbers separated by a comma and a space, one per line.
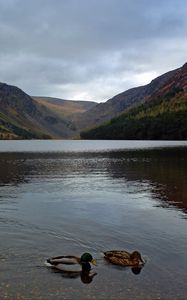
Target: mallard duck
(124, 258)
(65, 263)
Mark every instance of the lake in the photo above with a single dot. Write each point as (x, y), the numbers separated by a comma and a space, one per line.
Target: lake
(71, 197)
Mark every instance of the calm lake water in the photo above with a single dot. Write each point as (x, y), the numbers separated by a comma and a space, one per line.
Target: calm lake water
(70, 197)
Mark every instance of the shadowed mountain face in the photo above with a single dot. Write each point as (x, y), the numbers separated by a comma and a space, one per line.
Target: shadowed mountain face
(160, 111)
(122, 102)
(22, 117)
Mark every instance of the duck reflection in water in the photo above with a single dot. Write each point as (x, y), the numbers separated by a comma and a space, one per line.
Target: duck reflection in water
(73, 267)
(85, 276)
(136, 270)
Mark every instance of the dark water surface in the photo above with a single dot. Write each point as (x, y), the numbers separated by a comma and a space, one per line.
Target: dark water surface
(70, 197)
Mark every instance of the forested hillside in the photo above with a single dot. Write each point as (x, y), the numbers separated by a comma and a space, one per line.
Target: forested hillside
(163, 117)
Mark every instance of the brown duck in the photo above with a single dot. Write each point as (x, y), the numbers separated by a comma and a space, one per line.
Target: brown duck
(124, 258)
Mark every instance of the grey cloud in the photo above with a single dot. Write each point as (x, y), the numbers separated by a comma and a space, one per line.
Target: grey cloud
(95, 47)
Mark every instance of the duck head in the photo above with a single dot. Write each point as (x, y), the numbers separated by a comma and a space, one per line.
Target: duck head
(85, 261)
(136, 258)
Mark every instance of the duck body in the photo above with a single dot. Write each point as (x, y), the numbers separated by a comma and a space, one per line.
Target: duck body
(124, 258)
(70, 263)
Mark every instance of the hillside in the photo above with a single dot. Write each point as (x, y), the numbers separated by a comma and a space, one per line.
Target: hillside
(163, 115)
(154, 111)
(23, 118)
(65, 108)
(104, 112)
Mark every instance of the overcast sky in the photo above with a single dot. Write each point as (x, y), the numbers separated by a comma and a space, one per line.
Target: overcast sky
(89, 49)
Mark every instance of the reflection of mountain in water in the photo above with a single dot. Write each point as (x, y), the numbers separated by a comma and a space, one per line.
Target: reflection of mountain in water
(164, 170)
(12, 169)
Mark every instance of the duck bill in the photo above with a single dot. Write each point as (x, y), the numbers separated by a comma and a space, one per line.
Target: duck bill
(142, 262)
(93, 262)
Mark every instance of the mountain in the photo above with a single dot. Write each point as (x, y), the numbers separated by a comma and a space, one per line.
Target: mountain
(162, 113)
(65, 108)
(23, 117)
(104, 112)
(153, 111)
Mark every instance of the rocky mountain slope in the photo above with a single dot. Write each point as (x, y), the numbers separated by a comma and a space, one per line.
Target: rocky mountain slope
(113, 107)
(65, 108)
(161, 115)
(23, 117)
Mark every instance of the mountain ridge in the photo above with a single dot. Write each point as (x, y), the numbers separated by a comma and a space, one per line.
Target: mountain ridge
(103, 112)
(23, 116)
(161, 116)
(64, 107)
